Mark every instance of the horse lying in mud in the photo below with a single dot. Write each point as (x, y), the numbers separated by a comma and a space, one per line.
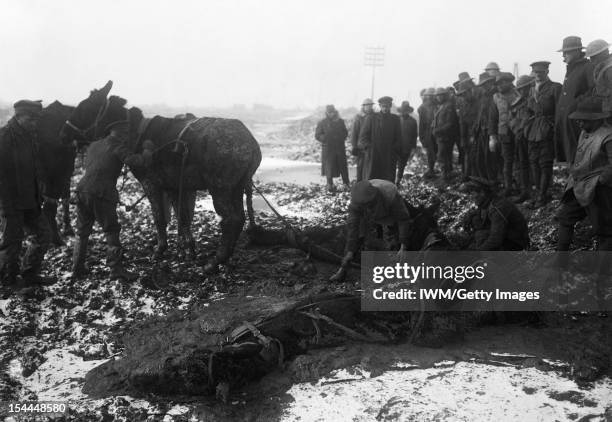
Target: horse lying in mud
(56, 159)
(327, 244)
(219, 155)
(216, 348)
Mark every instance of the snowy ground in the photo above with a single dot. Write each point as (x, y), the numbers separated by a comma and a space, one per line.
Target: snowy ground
(51, 340)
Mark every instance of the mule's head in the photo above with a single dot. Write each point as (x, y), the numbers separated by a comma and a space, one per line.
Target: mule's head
(80, 124)
(113, 114)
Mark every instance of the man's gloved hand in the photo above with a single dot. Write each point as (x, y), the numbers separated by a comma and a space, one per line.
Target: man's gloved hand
(402, 254)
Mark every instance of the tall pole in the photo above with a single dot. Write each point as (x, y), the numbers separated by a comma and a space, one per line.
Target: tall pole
(374, 57)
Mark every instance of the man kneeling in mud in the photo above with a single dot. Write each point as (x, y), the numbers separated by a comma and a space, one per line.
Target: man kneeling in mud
(379, 201)
(97, 197)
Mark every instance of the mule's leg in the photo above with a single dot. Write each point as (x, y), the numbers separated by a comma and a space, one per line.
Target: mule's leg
(248, 190)
(67, 230)
(184, 212)
(49, 210)
(158, 203)
(232, 220)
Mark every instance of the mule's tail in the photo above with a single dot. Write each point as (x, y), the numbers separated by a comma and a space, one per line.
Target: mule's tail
(248, 191)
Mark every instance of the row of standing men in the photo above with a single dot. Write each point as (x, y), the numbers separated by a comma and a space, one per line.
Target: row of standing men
(503, 132)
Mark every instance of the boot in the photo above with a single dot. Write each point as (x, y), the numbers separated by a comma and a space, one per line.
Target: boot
(543, 198)
(114, 258)
(565, 234)
(79, 256)
(49, 209)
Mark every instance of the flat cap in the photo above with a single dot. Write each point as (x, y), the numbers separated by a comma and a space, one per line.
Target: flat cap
(590, 108)
(363, 192)
(28, 107)
(385, 100)
(539, 66)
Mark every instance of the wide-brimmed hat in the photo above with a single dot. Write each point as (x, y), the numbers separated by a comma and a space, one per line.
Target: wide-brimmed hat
(465, 86)
(430, 91)
(476, 183)
(596, 47)
(590, 109)
(367, 101)
(31, 107)
(504, 76)
(385, 100)
(405, 107)
(571, 43)
(539, 66)
(363, 193)
(524, 80)
(483, 78)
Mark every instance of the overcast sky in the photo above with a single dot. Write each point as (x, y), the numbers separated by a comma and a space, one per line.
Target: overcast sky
(280, 52)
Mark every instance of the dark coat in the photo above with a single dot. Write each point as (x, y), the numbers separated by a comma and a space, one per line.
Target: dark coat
(380, 139)
(409, 127)
(506, 226)
(466, 112)
(389, 209)
(356, 128)
(103, 164)
(19, 175)
(426, 113)
(332, 133)
(445, 125)
(542, 105)
(578, 84)
(602, 75)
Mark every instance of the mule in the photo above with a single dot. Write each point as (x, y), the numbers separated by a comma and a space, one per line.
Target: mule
(214, 154)
(56, 154)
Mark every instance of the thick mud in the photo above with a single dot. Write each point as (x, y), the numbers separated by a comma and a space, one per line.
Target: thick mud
(508, 367)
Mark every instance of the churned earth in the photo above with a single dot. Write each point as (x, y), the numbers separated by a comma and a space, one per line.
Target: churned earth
(554, 367)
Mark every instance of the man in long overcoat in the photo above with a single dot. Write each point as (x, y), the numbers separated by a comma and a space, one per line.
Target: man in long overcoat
(367, 108)
(380, 139)
(409, 127)
(20, 199)
(331, 133)
(578, 84)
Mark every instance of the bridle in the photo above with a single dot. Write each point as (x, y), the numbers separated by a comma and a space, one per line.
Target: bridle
(83, 132)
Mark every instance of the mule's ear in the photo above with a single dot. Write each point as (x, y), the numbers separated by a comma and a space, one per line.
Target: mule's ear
(106, 88)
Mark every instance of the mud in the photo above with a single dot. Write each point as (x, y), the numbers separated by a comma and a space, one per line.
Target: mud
(527, 368)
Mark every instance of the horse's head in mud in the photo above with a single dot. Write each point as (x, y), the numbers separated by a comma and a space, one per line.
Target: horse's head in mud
(81, 123)
(424, 223)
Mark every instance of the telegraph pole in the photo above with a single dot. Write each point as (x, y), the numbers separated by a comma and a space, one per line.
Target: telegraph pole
(516, 70)
(374, 57)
